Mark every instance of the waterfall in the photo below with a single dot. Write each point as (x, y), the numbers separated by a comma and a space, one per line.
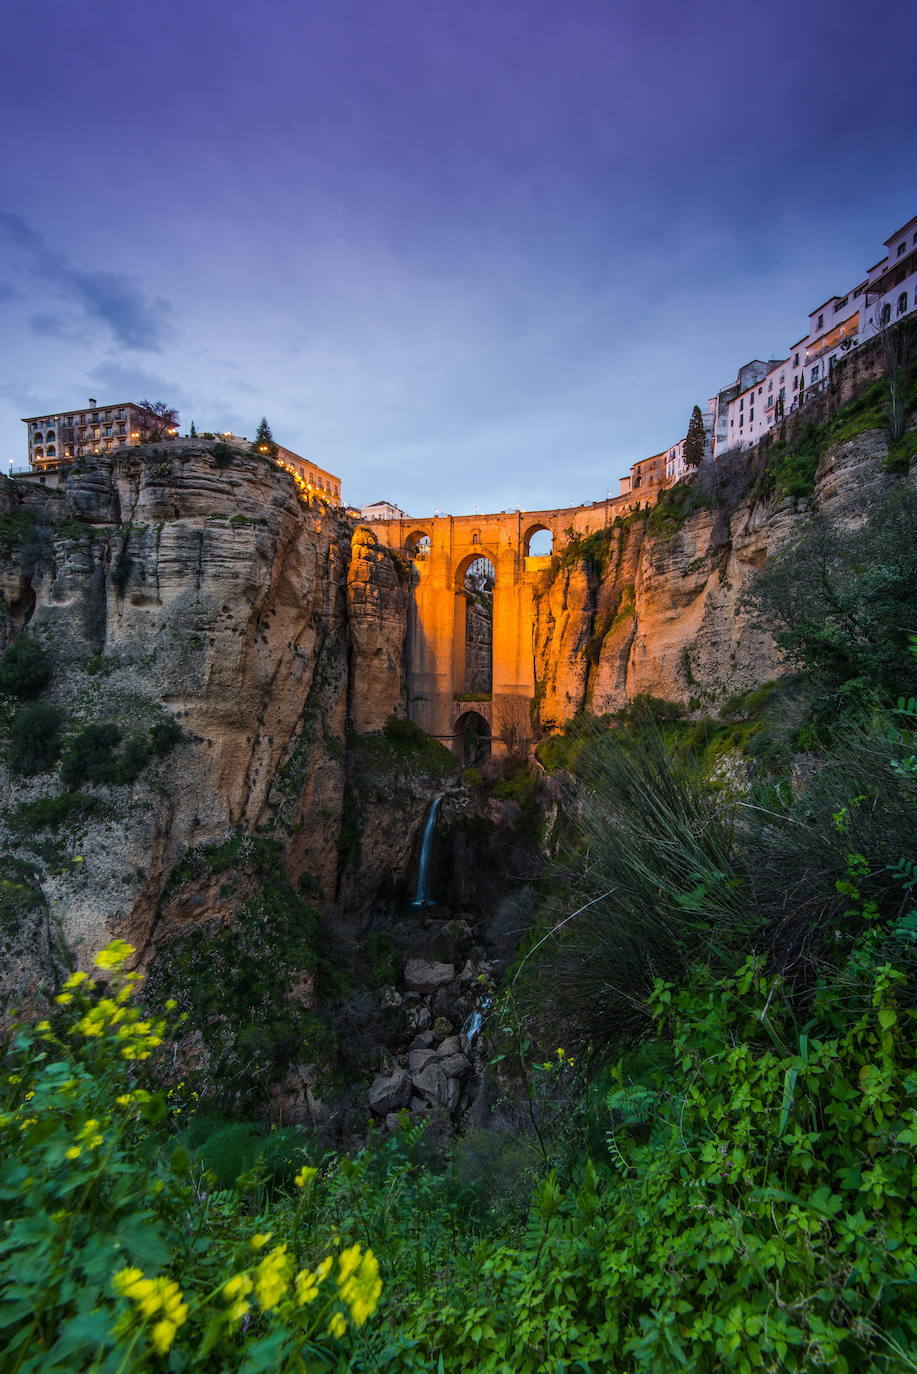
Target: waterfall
(474, 1022)
(423, 896)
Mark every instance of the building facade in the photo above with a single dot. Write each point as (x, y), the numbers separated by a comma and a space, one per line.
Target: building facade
(381, 510)
(318, 481)
(65, 435)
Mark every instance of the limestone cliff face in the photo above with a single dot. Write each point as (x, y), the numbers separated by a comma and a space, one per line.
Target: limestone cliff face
(267, 628)
(656, 607)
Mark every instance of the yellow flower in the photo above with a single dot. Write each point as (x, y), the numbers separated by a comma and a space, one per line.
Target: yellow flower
(305, 1176)
(162, 1335)
(76, 980)
(348, 1263)
(113, 956)
(337, 1326)
(171, 1004)
(272, 1278)
(125, 1278)
(239, 1310)
(361, 1288)
(63, 998)
(74, 1152)
(43, 1026)
(237, 1287)
(259, 1241)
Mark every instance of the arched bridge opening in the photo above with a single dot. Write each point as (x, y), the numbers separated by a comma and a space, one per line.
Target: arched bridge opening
(538, 542)
(472, 739)
(473, 634)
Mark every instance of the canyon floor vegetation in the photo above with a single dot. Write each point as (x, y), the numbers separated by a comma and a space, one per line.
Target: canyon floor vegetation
(701, 1146)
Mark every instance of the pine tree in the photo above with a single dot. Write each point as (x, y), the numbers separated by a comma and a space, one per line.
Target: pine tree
(695, 439)
(192, 433)
(264, 439)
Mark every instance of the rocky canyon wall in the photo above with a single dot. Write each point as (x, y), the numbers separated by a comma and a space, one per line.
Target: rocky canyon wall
(654, 603)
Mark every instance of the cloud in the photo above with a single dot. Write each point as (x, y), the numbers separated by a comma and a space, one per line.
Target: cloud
(9, 293)
(48, 326)
(114, 299)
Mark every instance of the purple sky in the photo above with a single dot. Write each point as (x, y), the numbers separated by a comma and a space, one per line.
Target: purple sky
(462, 252)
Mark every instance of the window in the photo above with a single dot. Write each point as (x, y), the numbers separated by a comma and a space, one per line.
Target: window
(885, 315)
(902, 303)
(122, 414)
(741, 403)
(815, 371)
(821, 322)
(751, 417)
(796, 360)
(770, 385)
(901, 247)
(760, 389)
(839, 305)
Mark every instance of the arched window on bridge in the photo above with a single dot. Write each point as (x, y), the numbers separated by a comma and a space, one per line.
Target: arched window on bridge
(417, 545)
(539, 542)
(477, 626)
(472, 738)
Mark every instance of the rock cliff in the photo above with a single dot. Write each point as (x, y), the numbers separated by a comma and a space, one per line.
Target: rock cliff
(269, 629)
(654, 603)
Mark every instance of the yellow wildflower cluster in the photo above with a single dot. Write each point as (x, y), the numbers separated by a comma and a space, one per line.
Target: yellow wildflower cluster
(159, 1299)
(272, 1277)
(358, 1282)
(136, 1038)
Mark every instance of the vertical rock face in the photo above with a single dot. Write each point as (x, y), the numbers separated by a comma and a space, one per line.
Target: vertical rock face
(216, 594)
(376, 599)
(654, 605)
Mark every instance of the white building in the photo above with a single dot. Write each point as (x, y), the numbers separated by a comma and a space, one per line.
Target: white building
(890, 289)
(381, 510)
(735, 411)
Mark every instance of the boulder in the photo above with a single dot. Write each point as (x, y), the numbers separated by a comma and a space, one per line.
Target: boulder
(389, 1091)
(419, 1059)
(451, 1045)
(454, 1066)
(425, 976)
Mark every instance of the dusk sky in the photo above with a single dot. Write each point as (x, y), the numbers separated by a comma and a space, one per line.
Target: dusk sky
(463, 254)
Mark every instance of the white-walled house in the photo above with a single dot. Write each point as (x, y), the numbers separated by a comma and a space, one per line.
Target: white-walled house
(890, 289)
(731, 422)
(381, 510)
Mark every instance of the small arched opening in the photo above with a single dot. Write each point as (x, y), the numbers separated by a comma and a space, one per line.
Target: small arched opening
(474, 627)
(472, 738)
(538, 542)
(417, 545)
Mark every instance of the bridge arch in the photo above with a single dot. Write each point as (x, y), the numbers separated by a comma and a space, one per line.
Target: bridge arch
(472, 738)
(534, 546)
(473, 626)
(418, 544)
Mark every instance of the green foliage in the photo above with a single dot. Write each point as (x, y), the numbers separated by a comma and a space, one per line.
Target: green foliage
(840, 602)
(51, 813)
(239, 982)
(264, 440)
(695, 439)
(16, 528)
(403, 747)
(645, 709)
(792, 463)
(20, 892)
(35, 738)
(674, 506)
(223, 454)
(117, 1252)
(752, 1209)
(24, 668)
(100, 754)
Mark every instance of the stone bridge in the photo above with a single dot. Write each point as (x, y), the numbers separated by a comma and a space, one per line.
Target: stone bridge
(442, 549)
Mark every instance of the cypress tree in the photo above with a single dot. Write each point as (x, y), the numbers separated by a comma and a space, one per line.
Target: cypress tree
(695, 439)
(264, 439)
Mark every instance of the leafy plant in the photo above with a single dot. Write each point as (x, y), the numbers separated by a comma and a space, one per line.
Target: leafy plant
(25, 668)
(35, 738)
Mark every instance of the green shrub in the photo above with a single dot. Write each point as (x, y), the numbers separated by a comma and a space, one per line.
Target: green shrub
(35, 738)
(24, 668)
(645, 709)
(91, 756)
(751, 1209)
(115, 1256)
(223, 454)
(51, 813)
(840, 602)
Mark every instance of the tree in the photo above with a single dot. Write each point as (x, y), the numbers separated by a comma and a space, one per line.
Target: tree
(264, 439)
(695, 439)
(161, 419)
(192, 431)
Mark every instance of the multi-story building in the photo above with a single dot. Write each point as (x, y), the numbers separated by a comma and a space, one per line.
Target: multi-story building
(890, 289)
(733, 412)
(59, 438)
(314, 479)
